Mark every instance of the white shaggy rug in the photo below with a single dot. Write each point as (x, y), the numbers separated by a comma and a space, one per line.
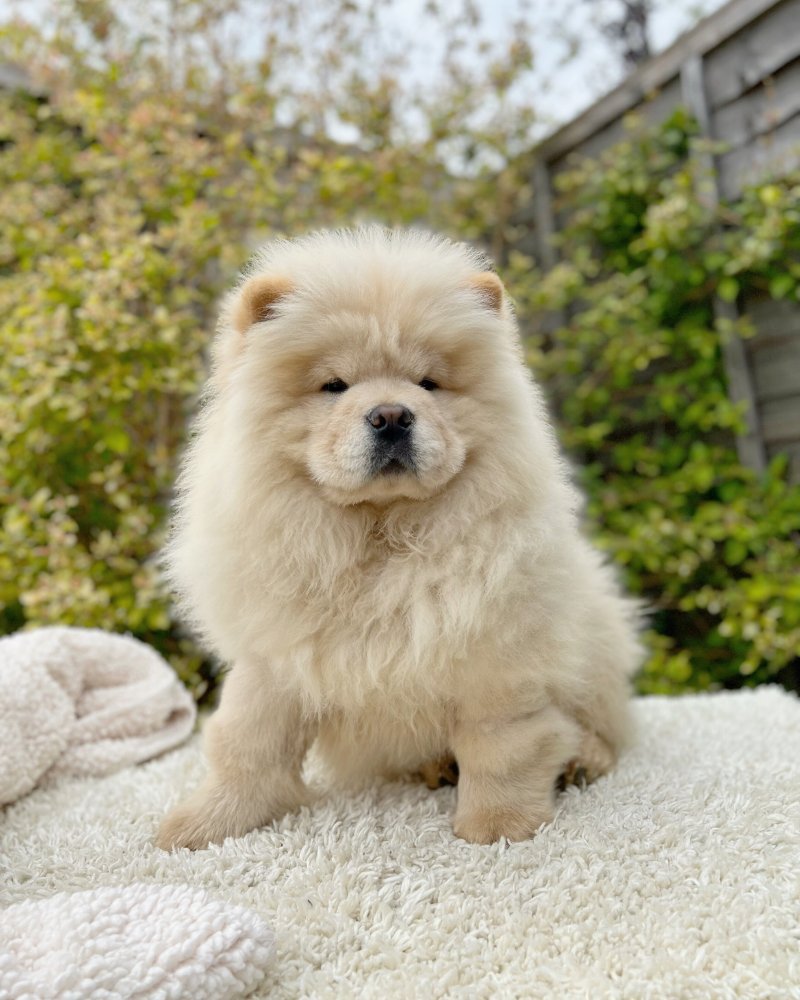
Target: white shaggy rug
(677, 876)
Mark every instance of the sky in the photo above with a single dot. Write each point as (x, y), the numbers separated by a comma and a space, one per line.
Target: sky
(569, 88)
(563, 87)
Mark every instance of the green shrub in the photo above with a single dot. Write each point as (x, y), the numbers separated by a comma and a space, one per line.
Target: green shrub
(106, 279)
(129, 199)
(127, 209)
(636, 377)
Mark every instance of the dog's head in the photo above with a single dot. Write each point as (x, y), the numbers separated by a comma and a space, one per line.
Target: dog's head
(374, 362)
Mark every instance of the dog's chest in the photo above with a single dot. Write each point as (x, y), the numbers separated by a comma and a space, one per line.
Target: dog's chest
(397, 624)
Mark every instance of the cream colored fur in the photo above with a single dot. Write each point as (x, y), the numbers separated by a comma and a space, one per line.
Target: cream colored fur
(395, 618)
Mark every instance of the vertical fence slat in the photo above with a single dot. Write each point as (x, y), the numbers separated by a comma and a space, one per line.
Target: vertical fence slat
(544, 217)
(749, 445)
(544, 232)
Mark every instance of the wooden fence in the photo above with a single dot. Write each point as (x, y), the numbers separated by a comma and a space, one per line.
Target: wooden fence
(738, 72)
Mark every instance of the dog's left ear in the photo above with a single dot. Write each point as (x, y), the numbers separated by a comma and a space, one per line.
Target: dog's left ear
(257, 299)
(489, 289)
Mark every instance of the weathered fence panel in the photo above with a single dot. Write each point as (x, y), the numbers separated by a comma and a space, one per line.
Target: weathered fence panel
(738, 72)
(774, 356)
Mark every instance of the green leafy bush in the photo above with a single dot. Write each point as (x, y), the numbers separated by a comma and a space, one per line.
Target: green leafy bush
(106, 277)
(129, 200)
(637, 380)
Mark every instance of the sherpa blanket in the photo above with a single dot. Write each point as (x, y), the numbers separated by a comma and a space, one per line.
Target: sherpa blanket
(83, 702)
(153, 941)
(676, 876)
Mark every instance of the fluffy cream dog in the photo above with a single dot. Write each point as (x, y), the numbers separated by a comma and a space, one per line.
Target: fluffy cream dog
(376, 530)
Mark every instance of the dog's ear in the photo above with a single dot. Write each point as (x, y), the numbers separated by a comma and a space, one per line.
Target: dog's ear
(256, 300)
(489, 289)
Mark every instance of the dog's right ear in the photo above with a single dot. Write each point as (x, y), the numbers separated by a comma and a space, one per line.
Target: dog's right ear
(257, 298)
(489, 289)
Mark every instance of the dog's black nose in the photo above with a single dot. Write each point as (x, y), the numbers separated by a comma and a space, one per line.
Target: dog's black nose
(390, 421)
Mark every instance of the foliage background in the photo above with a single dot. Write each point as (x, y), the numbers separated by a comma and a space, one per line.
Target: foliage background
(132, 195)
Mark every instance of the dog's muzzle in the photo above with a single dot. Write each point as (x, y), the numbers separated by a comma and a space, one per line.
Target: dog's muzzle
(391, 428)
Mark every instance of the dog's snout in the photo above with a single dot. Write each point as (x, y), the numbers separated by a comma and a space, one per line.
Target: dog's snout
(390, 421)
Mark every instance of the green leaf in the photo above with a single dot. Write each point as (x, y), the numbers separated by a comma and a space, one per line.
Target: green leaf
(117, 440)
(781, 286)
(735, 551)
(728, 289)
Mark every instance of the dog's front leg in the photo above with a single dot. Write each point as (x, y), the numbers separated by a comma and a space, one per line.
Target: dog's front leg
(508, 766)
(255, 744)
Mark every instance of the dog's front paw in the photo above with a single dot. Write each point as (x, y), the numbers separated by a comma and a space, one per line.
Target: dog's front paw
(485, 826)
(206, 818)
(217, 811)
(197, 823)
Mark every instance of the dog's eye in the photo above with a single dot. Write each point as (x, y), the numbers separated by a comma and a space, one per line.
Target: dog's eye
(335, 385)
(429, 384)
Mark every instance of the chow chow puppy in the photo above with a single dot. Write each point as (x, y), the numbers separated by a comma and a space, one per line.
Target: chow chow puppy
(375, 528)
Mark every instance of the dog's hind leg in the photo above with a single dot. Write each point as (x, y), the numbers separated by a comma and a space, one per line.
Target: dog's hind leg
(594, 759)
(508, 768)
(440, 772)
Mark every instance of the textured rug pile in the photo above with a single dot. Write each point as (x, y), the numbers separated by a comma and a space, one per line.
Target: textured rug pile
(677, 876)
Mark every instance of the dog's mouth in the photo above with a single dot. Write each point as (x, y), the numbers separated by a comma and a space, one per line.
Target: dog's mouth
(393, 467)
(395, 462)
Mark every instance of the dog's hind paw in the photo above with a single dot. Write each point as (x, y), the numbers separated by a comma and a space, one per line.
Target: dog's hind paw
(440, 772)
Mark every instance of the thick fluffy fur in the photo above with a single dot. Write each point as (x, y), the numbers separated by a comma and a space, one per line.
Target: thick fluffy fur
(452, 607)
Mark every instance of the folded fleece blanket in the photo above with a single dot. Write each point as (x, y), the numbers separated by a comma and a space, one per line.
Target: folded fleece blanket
(83, 702)
(162, 942)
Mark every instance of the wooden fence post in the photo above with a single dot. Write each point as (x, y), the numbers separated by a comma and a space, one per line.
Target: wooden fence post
(544, 231)
(543, 214)
(749, 445)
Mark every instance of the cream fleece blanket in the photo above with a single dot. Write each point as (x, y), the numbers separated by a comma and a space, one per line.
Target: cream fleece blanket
(152, 941)
(678, 876)
(83, 702)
